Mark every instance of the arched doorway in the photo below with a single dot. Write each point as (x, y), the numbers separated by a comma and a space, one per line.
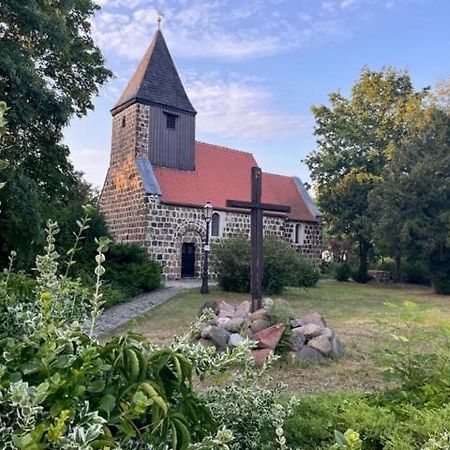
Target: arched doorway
(188, 260)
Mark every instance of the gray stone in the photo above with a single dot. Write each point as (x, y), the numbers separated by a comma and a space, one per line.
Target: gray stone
(310, 330)
(209, 304)
(219, 336)
(258, 325)
(321, 344)
(309, 354)
(336, 348)
(235, 339)
(233, 325)
(328, 333)
(243, 309)
(297, 341)
(295, 323)
(206, 342)
(226, 309)
(206, 332)
(315, 318)
(259, 314)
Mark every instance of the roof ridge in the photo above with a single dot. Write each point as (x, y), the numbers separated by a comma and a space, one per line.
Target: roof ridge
(226, 148)
(278, 175)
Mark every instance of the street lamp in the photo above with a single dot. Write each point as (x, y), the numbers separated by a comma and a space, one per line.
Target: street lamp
(207, 216)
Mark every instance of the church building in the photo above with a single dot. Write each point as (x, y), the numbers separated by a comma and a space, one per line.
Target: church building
(160, 177)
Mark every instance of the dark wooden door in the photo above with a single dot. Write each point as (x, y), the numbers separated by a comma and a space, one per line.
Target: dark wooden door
(188, 260)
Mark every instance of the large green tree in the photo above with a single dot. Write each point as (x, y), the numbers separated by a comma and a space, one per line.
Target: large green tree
(50, 69)
(411, 208)
(355, 138)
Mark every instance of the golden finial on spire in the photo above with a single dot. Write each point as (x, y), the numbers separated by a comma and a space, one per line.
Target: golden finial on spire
(159, 17)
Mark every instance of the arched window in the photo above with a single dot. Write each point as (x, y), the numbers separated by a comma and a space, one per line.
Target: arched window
(299, 233)
(215, 224)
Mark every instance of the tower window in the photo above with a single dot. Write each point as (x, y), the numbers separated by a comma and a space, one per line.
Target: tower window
(171, 120)
(124, 121)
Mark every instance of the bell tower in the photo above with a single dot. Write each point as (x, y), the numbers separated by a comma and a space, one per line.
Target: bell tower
(171, 117)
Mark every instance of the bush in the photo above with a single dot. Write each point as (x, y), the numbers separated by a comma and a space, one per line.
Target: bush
(130, 270)
(342, 271)
(304, 274)
(317, 417)
(360, 275)
(283, 266)
(415, 272)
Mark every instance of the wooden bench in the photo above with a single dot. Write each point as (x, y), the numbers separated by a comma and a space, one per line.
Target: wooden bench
(380, 276)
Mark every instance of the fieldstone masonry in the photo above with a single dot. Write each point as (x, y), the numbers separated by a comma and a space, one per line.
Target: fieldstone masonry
(136, 217)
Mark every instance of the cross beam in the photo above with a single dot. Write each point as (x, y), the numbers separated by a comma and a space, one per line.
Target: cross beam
(256, 208)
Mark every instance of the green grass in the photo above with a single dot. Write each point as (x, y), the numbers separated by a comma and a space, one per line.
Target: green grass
(356, 312)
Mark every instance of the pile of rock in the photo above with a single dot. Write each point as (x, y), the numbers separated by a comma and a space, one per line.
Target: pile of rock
(310, 339)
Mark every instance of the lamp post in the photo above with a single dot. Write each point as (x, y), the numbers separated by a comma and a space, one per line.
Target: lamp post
(207, 215)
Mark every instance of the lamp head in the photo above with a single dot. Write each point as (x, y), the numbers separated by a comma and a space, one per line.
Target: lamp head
(207, 212)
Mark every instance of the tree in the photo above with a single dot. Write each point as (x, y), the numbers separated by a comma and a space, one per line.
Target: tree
(355, 138)
(49, 70)
(413, 203)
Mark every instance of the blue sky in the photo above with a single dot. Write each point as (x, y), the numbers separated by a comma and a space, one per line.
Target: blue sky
(253, 68)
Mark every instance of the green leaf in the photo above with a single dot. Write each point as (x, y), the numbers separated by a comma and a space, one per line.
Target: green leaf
(108, 403)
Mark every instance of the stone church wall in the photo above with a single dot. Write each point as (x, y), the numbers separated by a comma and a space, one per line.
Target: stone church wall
(123, 200)
(170, 226)
(133, 216)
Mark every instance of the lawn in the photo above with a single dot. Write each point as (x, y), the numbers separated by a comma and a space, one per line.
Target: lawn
(358, 313)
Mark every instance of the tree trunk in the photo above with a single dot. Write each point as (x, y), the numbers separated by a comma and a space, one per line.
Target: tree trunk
(361, 276)
(398, 268)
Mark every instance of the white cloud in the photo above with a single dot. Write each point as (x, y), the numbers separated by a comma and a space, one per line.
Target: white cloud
(239, 108)
(204, 29)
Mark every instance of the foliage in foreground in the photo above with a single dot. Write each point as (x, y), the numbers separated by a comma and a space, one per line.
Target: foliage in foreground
(61, 388)
(283, 266)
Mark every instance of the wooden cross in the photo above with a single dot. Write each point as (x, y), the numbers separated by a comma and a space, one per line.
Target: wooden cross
(256, 208)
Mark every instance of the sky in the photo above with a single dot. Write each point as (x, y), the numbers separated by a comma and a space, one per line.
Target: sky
(253, 68)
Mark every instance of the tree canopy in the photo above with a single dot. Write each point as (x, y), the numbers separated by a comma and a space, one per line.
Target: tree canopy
(49, 71)
(356, 137)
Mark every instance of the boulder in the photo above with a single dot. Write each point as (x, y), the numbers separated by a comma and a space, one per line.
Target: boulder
(269, 337)
(315, 318)
(336, 348)
(259, 314)
(206, 342)
(295, 323)
(297, 341)
(257, 325)
(209, 304)
(260, 355)
(309, 354)
(205, 332)
(235, 339)
(219, 336)
(233, 325)
(321, 344)
(225, 309)
(243, 309)
(328, 333)
(310, 330)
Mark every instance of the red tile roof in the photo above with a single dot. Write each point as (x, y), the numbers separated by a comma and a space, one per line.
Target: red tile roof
(223, 173)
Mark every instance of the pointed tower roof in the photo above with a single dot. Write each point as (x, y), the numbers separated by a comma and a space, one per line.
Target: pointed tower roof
(156, 81)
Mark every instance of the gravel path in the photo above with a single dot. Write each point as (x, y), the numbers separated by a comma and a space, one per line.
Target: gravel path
(120, 314)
